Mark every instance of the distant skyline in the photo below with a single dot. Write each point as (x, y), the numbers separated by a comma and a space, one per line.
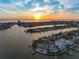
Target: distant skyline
(25, 9)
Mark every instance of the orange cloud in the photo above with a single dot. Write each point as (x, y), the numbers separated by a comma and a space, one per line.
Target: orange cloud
(59, 16)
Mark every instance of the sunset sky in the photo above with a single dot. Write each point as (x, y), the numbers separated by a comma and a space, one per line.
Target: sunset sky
(43, 9)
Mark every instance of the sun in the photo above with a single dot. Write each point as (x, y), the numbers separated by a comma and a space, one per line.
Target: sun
(37, 16)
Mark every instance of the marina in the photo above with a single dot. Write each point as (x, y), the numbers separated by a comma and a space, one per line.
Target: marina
(44, 40)
(58, 43)
(39, 29)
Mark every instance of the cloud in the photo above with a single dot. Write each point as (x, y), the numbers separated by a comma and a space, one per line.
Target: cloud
(41, 6)
(47, 1)
(44, 9)
(14, 6)
(70, 5)
(36, 4)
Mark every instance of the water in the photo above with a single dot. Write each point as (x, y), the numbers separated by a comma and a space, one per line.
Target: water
(14, 44)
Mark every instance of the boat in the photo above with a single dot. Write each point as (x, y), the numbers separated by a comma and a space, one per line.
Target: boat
(41, 51)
